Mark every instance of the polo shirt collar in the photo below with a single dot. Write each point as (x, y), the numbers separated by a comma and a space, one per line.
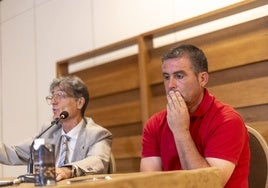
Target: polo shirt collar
(204, 105)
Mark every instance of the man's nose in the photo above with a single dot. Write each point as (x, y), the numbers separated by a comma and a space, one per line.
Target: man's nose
(54, 100)
(172, 83)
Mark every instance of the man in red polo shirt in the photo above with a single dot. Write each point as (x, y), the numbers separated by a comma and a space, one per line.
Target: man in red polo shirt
(195, 130)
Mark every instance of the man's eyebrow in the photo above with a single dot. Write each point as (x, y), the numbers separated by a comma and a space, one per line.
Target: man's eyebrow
(179, 72)
(176, 72)
(58, 90)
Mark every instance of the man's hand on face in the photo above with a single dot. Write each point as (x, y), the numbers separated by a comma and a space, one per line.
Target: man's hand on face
(177, 113)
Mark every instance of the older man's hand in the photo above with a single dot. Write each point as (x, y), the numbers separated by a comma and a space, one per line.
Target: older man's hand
(63, 173)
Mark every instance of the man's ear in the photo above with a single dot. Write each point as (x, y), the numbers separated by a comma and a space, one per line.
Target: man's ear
(80, 102)
(203, 78)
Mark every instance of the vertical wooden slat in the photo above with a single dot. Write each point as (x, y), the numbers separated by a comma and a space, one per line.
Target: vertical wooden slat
(62, 69)
(145, 45)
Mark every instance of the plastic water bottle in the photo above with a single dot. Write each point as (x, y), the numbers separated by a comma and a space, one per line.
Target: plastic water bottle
(44, 163)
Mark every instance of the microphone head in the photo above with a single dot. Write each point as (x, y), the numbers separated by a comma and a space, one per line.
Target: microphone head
(64, 115)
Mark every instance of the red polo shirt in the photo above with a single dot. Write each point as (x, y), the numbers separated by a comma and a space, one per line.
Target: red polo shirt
(217, 130)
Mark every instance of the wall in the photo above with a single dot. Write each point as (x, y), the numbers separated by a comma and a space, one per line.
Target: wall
(35, 34)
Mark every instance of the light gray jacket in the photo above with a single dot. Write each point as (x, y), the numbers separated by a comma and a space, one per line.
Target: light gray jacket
(91, 153)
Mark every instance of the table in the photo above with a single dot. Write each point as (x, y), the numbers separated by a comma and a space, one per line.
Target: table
(201, 178)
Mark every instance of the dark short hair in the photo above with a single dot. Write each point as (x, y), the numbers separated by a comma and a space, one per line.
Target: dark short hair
(196, 56)
(73, 86)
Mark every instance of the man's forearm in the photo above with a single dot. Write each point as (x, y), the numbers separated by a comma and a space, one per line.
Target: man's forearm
(190, 158)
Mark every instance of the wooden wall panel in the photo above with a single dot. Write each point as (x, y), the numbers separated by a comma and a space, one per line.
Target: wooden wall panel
(116, 76)
(236, 74)
(227, 48)
(242, 85)
(117, 114)
(127, 147)
(238, 45)
(128, 165)
(126, 91)
(261, 126)
(244, 93)
(115, 104)
(126, 130)
(254, 113)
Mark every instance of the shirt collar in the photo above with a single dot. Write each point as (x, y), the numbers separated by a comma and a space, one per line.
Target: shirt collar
(204, 105)
(75, 131)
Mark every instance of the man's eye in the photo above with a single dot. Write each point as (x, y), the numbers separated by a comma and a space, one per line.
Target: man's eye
(60, 93)
(179, 76)
(166, 77)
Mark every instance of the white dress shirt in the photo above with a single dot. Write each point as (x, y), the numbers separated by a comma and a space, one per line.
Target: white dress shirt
(73, 134)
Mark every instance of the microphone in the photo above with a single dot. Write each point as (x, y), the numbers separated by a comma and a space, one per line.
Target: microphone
(29, 177)
(63, 115)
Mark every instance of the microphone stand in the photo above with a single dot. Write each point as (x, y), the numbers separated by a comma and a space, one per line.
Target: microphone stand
(29, 177)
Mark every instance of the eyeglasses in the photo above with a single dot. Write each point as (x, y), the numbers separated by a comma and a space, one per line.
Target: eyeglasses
(60, 95)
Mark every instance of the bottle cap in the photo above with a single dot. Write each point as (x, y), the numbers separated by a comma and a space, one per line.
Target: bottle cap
(38, 142)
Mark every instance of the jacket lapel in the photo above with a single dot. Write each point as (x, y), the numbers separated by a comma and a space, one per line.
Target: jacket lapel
(80, 148)
(56, 139)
